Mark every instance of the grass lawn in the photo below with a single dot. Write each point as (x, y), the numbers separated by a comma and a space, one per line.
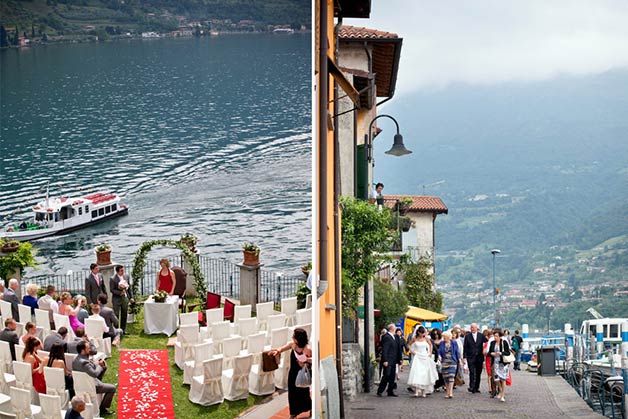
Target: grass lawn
(182, 406)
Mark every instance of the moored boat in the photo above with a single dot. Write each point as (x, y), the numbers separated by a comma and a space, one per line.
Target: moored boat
(54, 216)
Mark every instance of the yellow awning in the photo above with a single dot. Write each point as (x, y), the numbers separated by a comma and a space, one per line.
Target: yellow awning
(422, 314)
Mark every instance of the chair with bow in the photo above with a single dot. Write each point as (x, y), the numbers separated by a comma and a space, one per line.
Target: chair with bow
(230, 349)
(304, 316)
(55, 385)
(85, 386)
(289, 308)
(21, 403)
(24, 379)
(63, 320)
(42, 318)
(51, 407)
(276, 321)
(206, 389)
(93, 329)
(6, 360)
(25, 314)
(69, 359)
(5, 310)
(220, 331)
(241, 312)
(187, 336)
(194, 367)
(212, 315)
(6, 380)
(235, 381)
(263, 310)
(247, 327)
(261, 382)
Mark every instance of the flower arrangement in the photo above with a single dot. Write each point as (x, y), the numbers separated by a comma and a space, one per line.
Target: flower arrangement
(160, 296)
(251, 247)
(123, 285)
(103, 248)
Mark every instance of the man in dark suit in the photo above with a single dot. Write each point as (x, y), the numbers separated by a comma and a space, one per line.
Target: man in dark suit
(111, 320)
(473, 347)
(94, 285)
(82, 363)
(120, 296)
(11, 297)
(390, 359)
(56, 337)
(9, 335)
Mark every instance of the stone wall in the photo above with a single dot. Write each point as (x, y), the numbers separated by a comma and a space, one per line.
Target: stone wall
(352, 372)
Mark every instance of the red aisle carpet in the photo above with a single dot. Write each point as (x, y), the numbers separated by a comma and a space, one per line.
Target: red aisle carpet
(144, 388)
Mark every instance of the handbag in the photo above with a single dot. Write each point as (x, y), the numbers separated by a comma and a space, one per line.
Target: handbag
(304, 377)
(269, 362)
(507, 359)
(459, 380)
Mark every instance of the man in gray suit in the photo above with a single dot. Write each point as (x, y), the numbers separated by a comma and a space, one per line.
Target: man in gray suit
(9, 335)
(58, 337)
(111, 320)
(82, 363)
(94, 285)
(121, 295)
(80, 336)
(11, 297)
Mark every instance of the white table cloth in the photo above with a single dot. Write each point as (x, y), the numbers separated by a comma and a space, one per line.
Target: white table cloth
(161, 317)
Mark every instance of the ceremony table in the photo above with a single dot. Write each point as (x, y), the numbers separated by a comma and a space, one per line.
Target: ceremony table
(161, 317)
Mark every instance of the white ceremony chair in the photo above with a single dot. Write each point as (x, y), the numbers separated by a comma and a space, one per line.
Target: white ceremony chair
(255, 346)
(88, 413)
(188, 318)
(242, 312)
(85, 386)
(263, 310)
(51, 407)
(304, 316)
(69, 359)
(93, 329)
(21, 403)
(5, 309)
(261, 383)
(281, 373)
(220, 331)
(289, 308)
(235, 381)
(212, 315)
(278, 338)
(187, 336)
(206, 389)
(276, 321)
(25, 314)
(42, 319)
(308, 301)
(247, 327)
(55, 385)
(63, 320)
(194, 367)
(5, 405)
(6, 381)
(230, 349)
(24, 378)
(6, 360)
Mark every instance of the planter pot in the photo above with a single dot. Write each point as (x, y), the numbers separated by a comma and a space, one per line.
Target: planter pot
(250, 258)
(9, 248)
(103, 257)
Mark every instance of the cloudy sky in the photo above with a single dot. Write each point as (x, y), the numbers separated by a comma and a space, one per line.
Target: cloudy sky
(496, 41)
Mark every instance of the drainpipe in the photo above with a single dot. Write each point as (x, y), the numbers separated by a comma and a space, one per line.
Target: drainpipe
(323, 96)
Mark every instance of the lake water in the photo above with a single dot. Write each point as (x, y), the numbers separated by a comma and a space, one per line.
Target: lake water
(206, 136)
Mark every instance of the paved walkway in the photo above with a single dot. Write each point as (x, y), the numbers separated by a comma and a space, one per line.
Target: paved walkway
(272, 408)
(530, 396)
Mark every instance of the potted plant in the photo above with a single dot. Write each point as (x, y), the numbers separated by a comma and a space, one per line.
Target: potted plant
(403, 205)
(9, 246)
(306, 268)
(103, 254)
(251, 254)
(15, 262)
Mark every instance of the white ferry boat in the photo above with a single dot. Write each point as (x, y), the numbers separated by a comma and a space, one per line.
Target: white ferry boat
(55, 216)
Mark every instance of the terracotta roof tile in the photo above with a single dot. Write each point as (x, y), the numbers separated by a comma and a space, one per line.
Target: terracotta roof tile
(356, 32)
(419, 203)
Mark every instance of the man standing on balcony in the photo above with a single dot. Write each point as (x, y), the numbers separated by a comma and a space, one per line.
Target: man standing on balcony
(377, 194)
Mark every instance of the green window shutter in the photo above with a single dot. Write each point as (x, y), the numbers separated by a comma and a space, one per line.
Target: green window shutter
(362, 173)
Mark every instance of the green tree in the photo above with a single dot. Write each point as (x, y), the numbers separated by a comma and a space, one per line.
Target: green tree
(23, 257)
(391, 303)
(366, 238)
(419, 283)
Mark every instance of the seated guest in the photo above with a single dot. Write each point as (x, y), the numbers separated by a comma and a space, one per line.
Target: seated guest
(80, 302)
(80, 336)
(11, 297)
(37, 364)
(30, 299)
(77, 406)
(56, 359)
(56, 337)
(31, 331)
(49, 303)
(9, 335)
(82, 363)
(111, 320)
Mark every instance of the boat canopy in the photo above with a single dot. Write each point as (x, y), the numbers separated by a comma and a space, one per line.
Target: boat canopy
(422, 314)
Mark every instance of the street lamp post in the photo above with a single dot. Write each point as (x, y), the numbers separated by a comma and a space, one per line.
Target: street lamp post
(397, 149)
(494, 252)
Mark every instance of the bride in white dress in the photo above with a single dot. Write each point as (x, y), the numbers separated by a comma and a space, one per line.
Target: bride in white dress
(423, 373)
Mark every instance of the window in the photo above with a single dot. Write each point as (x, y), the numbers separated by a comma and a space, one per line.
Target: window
(101, 211)
(94, 213)
(80, 210)
(86, 209)
(114, 207)
(615, 331)
(107, 210)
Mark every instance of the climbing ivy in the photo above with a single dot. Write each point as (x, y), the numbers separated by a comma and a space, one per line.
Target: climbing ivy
(139, 263)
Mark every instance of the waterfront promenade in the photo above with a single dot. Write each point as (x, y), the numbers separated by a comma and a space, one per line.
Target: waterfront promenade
(530, 396)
